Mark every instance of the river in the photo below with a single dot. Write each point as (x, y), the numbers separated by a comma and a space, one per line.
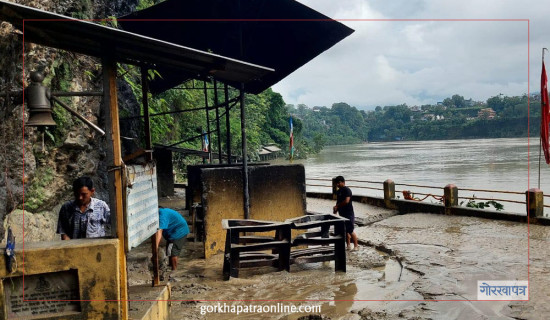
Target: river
(495, 164)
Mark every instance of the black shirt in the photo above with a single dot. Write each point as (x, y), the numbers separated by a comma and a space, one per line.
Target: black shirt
(341, 195)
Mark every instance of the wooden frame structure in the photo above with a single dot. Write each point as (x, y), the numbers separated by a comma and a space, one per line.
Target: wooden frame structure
(330, 246)
(241, 251)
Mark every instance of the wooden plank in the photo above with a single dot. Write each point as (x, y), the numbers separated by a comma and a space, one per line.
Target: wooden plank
(258, 246)
(156, 269)
(255, 239)
(312, 251)
(311, 259)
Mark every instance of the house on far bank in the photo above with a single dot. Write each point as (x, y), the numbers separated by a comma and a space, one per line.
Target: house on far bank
(486, 113)
(269, 152)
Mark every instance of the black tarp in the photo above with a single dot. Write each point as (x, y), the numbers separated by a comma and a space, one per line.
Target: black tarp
(279, 34)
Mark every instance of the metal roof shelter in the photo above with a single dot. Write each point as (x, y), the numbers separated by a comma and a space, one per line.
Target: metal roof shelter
(281, 34)
(96, 40)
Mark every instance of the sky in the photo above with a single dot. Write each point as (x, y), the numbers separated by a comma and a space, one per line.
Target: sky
(423, 62)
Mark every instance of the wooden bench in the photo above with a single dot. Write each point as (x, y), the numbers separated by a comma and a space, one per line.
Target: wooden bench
(241, 251)
(328, 246)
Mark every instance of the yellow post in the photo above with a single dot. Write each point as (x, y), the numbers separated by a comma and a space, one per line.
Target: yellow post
(389, 193)
(535, 203)
(451, 197)
(115, 175)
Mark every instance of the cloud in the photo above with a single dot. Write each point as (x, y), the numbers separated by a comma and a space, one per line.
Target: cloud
(419, 62)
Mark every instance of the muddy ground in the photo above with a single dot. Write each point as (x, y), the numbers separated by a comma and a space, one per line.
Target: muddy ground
(406, 260)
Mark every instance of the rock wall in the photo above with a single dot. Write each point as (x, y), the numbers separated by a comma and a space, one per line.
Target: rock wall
(37, 168)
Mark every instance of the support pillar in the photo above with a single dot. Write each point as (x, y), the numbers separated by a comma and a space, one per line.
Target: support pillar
(227, 123)
(389, 193)
(450, 193)
(218, 131)
(535, 203)
(114, 161)
(207, 123)
(246, 196)
(147, 120)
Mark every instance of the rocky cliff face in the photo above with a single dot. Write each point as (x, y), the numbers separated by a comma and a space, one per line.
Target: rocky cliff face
(37, 167)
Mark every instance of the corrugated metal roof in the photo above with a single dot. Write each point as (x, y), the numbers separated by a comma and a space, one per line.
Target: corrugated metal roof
(93, 39)
(272, 148)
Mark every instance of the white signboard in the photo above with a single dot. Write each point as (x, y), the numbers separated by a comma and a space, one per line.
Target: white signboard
(141, 203)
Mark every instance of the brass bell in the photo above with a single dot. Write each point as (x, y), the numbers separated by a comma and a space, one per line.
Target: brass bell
(38, 101)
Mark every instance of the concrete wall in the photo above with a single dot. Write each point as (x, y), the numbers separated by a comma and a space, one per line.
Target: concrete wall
(276, 193)
(193, 192)
(95, 261)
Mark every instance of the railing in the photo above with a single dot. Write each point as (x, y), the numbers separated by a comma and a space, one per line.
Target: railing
(418, 192)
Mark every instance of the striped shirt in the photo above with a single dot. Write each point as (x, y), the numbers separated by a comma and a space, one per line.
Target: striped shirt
(88, 224)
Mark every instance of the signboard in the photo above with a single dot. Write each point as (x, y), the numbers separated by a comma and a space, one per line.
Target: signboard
(45, 295)
(141, 203)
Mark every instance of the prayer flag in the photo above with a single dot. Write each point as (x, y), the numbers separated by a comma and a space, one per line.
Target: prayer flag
(545, 114)
(206, 143)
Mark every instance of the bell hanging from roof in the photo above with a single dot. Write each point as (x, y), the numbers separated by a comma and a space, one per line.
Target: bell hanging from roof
(38, 101)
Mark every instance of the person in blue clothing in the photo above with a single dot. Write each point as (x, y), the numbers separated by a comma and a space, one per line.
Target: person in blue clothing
(174, 229)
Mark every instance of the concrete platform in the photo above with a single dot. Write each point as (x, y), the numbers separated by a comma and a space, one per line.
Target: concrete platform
(149, 303)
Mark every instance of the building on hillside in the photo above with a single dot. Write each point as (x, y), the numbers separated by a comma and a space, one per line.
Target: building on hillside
(486, 113)
(269, 152)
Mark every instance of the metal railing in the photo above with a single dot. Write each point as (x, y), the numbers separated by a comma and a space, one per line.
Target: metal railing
(413, 191)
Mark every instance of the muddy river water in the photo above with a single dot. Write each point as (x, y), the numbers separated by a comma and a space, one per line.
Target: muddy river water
(408, 261)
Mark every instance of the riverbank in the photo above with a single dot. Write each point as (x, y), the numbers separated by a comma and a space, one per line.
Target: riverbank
(417, 256)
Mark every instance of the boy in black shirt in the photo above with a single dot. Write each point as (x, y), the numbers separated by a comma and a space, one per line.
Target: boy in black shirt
(345, 209)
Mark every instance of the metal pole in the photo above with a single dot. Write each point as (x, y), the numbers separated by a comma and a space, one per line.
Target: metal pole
(541, 121)
(246, 196)
(149, 157)
(227, 124)
(78, 94)
(76, 114)
(114, 160)
(207, 123)
(218, 134)
(147, 120)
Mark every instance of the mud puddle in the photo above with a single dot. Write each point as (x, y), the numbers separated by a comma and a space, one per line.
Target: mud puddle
(371, 275)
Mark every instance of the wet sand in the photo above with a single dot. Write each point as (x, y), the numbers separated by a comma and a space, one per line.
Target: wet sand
(402, 257)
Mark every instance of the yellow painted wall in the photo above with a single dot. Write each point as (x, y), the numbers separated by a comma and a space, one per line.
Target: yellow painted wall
(276, 193)
(97, 265)
(222, 196)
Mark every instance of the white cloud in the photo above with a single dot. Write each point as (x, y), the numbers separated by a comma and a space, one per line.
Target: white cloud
(418, 62)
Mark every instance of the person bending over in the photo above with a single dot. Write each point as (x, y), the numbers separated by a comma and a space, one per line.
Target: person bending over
(173, 227)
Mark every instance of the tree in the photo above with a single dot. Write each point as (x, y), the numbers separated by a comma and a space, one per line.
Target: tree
(458, 101)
